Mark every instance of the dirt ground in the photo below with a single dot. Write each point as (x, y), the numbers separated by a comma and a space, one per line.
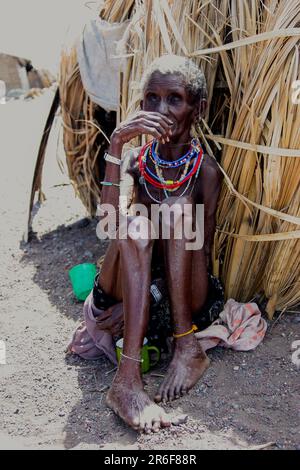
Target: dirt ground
(49, 401)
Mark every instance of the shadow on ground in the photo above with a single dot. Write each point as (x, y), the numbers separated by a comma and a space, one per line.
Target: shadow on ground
(244, 398)
(54, 253)
(90, 421)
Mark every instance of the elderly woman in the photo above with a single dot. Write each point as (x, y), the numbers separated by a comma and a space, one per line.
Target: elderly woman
(171, 168)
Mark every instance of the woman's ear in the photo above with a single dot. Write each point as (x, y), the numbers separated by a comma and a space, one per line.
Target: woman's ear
(195, 113)
(202, 107)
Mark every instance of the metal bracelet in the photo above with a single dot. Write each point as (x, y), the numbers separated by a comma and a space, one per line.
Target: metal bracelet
(112, 159)
(109, 183)
(132, 358)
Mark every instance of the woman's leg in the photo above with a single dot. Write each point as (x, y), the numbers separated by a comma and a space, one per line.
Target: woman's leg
(186, 275)
(129, 262)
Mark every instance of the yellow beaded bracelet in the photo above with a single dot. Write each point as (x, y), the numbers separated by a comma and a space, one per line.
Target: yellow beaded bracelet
(194, 328)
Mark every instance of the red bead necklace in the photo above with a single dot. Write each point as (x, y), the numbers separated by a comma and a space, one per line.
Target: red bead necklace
(142, 160)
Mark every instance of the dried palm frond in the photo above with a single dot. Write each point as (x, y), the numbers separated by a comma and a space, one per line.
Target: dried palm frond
(266, 170)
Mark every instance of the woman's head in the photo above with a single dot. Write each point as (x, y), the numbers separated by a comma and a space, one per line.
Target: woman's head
(174, 86)
(191, 74)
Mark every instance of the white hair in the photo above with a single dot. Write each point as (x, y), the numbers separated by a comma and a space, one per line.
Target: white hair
(192, 75)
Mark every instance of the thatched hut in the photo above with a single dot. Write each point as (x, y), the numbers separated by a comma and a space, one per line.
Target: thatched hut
(19, 74)
(249, 52)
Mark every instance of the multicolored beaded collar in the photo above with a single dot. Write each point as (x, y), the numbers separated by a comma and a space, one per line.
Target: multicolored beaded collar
(192, 158)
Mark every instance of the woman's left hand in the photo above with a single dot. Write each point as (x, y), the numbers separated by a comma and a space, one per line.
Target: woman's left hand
(114, 324)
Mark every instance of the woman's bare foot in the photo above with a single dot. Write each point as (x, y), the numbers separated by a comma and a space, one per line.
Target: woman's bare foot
(188, 364)
(129, 401)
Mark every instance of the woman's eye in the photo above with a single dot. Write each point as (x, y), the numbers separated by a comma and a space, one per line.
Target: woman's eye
(152, 97)
(174, 99)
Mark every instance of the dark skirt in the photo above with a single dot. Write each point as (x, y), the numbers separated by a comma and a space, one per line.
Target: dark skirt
(160, 323)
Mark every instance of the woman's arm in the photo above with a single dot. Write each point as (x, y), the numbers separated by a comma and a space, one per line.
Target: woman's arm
(212, 179)
(110, 194)
(143, 122)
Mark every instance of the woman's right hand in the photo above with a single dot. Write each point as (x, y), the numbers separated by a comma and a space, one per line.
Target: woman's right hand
(143, 122)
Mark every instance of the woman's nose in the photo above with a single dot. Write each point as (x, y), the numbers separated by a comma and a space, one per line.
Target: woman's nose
(163, 107)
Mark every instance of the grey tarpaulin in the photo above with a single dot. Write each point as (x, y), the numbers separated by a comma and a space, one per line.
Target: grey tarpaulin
(99, 70)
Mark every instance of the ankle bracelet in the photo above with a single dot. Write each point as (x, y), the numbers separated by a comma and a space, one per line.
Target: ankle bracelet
(194, 328)
(132, 358)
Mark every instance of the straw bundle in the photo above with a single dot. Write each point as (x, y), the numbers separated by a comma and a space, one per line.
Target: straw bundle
(249, 51)
(80, 136)
(262, 114)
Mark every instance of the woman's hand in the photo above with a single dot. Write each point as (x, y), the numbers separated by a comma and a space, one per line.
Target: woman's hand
(114, 323)
(143, 122)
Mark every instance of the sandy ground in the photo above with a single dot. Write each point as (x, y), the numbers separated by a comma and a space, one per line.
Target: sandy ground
(49, 401)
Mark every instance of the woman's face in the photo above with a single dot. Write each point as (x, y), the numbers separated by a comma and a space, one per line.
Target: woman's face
(166, 94)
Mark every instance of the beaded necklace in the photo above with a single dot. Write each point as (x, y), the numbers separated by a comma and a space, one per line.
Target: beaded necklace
(195, 153)
(165, 192)
(194, 149)
(157, 180)
(159, 175)
(166, 195)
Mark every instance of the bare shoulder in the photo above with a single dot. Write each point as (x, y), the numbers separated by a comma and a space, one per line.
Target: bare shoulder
(210, 181)
(211, 172)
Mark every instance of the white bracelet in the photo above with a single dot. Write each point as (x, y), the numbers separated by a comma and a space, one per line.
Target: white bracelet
(132, 358)
(112, 159)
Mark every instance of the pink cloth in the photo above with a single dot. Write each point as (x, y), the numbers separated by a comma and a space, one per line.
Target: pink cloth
(89, 341)
(239, 327)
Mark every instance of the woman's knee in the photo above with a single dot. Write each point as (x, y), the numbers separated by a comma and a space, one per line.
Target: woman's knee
(177, 215)
(137, 230)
